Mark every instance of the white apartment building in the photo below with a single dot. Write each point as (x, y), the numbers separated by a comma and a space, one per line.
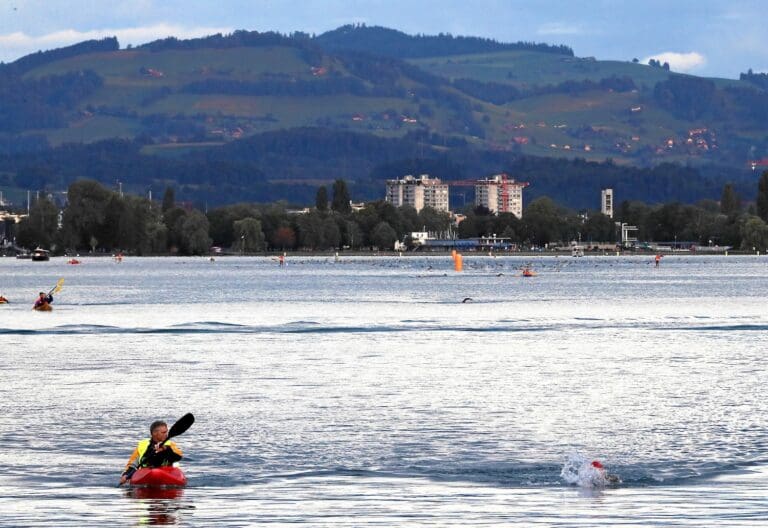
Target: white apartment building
(500, 194)
(606, 202)
(418, 192)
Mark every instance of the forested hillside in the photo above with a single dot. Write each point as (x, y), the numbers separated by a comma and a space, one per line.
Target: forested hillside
(265, 116)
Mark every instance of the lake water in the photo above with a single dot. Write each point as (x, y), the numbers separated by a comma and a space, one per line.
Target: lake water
(364, 392)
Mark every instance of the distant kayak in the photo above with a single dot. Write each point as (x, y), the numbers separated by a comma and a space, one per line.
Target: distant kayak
(45, 307)
(162, 476)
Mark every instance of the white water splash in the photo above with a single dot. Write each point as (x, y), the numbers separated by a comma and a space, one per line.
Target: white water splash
(578, 470)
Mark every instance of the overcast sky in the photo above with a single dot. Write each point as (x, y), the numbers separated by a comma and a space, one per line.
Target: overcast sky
(714, 38)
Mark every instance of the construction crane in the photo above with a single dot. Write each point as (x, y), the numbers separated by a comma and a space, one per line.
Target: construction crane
(503, 181)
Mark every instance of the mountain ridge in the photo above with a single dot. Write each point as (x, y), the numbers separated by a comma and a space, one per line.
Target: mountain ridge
(195, 101)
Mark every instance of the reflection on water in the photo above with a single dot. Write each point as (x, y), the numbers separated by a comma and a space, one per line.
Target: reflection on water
(163, 505)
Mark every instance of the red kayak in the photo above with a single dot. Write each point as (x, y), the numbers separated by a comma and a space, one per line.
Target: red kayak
(161, 476)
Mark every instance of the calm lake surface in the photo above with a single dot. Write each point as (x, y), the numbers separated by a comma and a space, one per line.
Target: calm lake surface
(364, 392)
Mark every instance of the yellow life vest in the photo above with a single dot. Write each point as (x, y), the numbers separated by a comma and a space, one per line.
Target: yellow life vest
(141, 449)
(144, 445)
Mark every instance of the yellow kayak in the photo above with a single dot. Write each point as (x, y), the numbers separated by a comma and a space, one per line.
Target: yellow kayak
(45, 307)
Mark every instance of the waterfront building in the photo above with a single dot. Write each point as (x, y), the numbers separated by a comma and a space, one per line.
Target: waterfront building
(418, 192)
(500, 194)
(606, 202)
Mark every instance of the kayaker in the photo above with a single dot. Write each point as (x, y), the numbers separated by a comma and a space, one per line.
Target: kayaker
(43, 299)
(152, 452)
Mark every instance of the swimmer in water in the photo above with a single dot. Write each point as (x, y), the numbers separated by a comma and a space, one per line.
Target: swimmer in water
(608, 478)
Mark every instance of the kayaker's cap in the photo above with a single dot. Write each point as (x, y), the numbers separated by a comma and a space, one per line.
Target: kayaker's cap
(597, 464)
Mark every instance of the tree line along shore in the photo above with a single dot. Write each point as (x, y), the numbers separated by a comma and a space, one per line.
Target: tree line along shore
(98, 220)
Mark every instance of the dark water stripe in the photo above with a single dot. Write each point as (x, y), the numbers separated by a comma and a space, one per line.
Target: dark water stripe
(235, 329)
(723, 328)
(317, 328)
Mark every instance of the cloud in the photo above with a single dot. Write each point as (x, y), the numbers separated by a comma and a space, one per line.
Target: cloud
(680, 62)
(18, 44)
(559, 28)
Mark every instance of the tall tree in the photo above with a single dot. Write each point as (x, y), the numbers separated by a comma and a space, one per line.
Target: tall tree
(730, 203)
(86, 212)
(248, 234)
(754, 235)
(384, 236)
(194, 233)
(40, 227)
(331, 232)
(310, 231)
(433, 221)
(222, 219)
(174, 219)
(353, 235)
(541, 222)
(169, 199)
(762, 197)
(321, 199)
(284, 238)
(134, 225)
(341, 197)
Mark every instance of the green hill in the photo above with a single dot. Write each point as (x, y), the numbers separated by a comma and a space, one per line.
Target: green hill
(442, 95)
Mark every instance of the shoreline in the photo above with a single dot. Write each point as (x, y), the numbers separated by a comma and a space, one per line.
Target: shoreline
(410, 254)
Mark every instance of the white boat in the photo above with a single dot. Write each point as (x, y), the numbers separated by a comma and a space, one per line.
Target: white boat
(40, 254)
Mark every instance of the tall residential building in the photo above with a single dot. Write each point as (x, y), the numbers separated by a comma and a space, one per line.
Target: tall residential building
(606, 202)
(500, 194)
(418, 192)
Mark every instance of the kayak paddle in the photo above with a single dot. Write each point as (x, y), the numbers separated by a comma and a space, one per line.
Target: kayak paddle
(181, 426)
(58, 287)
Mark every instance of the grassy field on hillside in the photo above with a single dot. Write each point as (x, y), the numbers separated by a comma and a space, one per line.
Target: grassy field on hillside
(523, 68)
(88, 130)
(530, 68)
(179, 67)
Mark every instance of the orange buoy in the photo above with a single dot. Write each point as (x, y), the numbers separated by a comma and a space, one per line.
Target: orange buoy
(458, 262)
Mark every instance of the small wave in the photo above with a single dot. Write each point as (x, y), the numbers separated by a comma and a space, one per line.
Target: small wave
(208, 325)
(725, 328)
(313, 327)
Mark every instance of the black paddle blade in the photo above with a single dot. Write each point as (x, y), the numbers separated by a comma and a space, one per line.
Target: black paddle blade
(181, 425)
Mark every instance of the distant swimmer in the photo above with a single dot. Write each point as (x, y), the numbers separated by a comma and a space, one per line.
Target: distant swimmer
(467, 299)
(587, 473)
(606, 477)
